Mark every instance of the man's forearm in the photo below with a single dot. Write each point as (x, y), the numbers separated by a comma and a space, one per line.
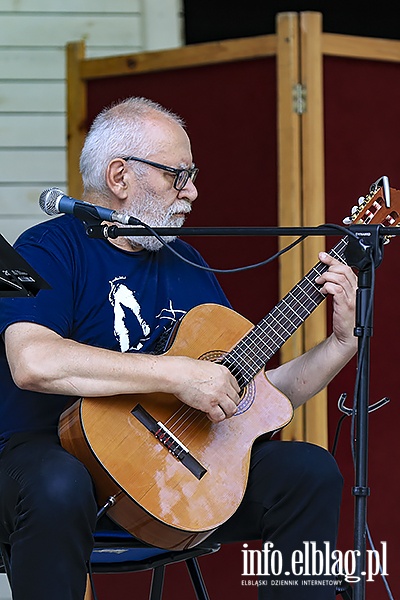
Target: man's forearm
(303, 377)
(42, 361)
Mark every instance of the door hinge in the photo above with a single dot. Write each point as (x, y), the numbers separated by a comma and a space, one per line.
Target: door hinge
(299, 98)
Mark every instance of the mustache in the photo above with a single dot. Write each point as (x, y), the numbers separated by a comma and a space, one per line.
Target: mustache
(180, 207)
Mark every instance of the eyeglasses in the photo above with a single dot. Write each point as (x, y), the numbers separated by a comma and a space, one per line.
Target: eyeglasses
(181, 175)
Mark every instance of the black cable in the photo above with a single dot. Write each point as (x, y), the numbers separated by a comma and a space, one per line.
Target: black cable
(337, 433)
(247, 267)
(234, 270)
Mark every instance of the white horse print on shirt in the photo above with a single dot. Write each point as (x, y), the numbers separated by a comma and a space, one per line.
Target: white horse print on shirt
(123, 299)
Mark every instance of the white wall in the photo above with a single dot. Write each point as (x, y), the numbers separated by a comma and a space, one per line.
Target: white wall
(33, 34)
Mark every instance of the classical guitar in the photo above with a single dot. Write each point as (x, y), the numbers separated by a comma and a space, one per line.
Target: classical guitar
(171, 475)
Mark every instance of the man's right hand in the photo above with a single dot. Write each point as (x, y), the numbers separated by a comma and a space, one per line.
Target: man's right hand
(206, 386)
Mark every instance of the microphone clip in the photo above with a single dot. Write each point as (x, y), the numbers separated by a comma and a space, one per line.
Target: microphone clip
(365, 248)
(91, 220)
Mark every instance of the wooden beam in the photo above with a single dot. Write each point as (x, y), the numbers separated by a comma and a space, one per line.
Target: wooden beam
(313, 180)
(365, 48)
(192, 55)
(289, 181)
(76, 115)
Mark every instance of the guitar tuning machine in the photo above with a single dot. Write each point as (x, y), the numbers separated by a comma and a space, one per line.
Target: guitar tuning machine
(382, 182)
(356, 209)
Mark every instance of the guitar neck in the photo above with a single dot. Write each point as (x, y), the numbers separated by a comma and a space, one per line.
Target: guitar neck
(253, 351)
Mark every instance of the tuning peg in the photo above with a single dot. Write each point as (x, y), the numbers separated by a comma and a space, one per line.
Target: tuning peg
(361, 200)
(354, 211)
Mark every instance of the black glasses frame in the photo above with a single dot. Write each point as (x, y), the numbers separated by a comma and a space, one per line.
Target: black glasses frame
(181, 175)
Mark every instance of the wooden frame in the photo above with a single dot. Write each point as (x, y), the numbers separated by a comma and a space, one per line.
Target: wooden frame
(80, 70)
(299, 46)
(289, 178)
(314, 46)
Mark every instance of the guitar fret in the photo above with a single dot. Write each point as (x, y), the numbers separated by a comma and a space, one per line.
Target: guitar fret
(252, 363)
(261, 335)
(252, 352)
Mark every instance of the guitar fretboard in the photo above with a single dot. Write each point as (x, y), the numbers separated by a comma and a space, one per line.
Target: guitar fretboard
(253, 351)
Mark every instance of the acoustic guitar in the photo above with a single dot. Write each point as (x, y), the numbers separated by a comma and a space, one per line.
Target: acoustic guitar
(173, 476)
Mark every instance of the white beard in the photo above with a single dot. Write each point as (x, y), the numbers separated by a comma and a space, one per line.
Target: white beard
(148, 209)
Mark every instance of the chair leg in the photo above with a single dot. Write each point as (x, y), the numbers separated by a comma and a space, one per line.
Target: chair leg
(344, 589)
(157, 583)
(197, 579)
(346, 594)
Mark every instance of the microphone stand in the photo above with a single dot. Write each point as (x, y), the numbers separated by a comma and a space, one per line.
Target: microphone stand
(365, 256)
(364, 253)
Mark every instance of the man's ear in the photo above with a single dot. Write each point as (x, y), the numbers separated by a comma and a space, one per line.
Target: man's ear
(117, 178)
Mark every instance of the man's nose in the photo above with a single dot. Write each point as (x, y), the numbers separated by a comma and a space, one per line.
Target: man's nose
(189, 191)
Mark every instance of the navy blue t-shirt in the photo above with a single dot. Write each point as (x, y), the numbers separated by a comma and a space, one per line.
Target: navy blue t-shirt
(101, 296)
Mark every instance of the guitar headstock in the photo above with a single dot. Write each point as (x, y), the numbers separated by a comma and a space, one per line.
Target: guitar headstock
(373, 208)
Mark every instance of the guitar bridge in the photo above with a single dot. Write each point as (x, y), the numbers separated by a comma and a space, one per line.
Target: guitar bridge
(167, 439)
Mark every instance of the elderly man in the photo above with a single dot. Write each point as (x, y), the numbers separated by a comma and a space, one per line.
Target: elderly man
(93, 333)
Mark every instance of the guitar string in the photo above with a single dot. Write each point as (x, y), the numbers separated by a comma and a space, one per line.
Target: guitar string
(177, 421)
(279, 334)
(174, 419)
(189, 436)
(259, 333)
(198, 416)
(291, 295)
(179, 429)
(188, 411)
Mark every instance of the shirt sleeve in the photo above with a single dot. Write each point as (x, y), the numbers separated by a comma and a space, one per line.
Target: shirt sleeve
(51, 257)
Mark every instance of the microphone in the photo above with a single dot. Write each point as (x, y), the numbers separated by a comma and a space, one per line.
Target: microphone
(53, 202)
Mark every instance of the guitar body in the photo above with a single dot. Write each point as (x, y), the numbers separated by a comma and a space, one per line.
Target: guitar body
(174, 486)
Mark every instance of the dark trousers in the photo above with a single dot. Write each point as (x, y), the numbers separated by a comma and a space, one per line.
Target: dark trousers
(48, 514)
(293, 496)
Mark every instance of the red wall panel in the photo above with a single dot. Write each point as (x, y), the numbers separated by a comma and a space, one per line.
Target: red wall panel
(230, 113)
(362, 143)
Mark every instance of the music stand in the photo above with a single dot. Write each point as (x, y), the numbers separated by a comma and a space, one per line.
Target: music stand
(17, 277)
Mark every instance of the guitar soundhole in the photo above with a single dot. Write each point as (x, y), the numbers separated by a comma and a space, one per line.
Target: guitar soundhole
(212, 355)
(247, 393)
(247, 398)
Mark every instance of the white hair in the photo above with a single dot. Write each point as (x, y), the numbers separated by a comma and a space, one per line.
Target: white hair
(118, 131)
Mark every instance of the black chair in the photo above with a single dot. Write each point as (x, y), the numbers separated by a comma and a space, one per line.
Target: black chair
(119, 552)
